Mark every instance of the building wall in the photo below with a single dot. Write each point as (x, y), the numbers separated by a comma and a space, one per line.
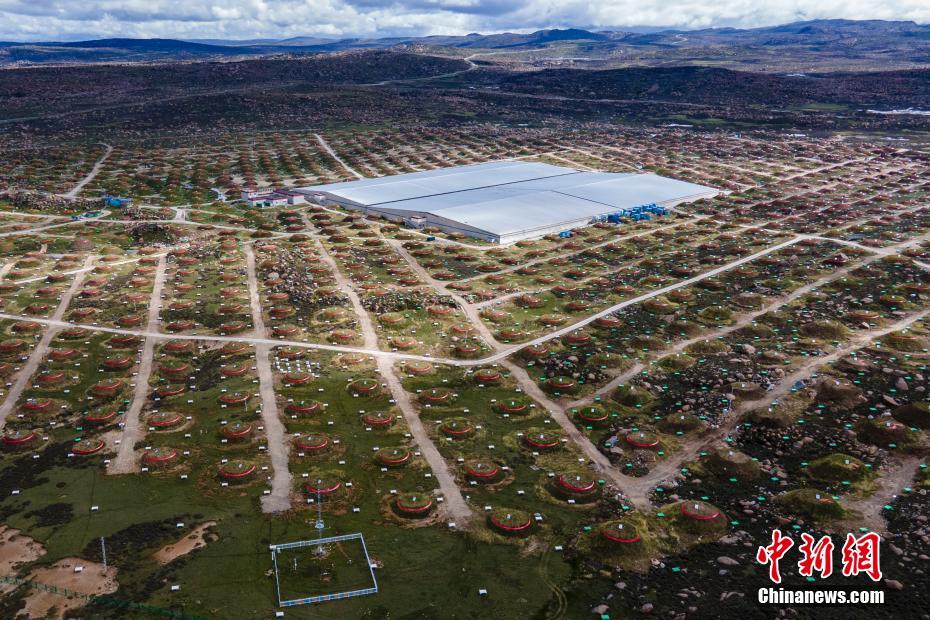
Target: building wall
(448, 225)
(267, 203)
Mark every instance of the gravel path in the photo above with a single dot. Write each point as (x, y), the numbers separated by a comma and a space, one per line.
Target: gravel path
(279, 500)
(125, 461)
(742, 321)
(470, 311)
(41, 350)
(454, 505)
(369, 335)
(531, 388)
(638, 489)
(497, 356)
(332, 153)
(870, 511)
(90, 175)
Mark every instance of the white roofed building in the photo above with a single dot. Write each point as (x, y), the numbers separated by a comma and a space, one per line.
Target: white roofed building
(506, 201)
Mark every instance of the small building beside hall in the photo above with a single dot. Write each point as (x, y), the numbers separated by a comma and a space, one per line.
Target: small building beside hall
(273, 198)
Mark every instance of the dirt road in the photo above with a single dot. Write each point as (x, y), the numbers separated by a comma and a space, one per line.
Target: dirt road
(454, 505)
(638, 489)
(279, 500)
(125, 461)
(74, 191)
(601, 463)
(41, 350)
(332, 153)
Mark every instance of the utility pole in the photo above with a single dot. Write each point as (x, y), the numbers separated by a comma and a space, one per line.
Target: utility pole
(319, 519)
(103, 552)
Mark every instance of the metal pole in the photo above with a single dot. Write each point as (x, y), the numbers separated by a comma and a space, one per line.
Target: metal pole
(319, 519)
(277, 580)
(319, 514)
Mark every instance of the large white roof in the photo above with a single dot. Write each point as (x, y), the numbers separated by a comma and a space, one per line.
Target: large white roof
(399, 187)
(507, 197)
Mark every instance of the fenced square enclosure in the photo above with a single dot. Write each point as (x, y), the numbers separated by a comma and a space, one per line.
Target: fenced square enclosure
(326, 569)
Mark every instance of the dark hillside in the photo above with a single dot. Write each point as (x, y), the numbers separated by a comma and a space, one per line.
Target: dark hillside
(716, 85)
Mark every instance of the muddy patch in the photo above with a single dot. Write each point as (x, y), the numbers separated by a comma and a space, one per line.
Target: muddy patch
(16, 549)
(91, 580)
(197, 538)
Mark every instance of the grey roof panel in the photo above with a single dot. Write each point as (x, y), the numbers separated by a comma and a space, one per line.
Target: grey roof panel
(441, 181)
(632, 190)
(501, 211)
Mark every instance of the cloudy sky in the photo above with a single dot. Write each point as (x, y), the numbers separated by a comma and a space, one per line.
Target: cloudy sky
(244, 19)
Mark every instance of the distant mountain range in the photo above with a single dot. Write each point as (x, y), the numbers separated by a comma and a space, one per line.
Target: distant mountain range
(808, 31)
(118, 50)
(909, 40)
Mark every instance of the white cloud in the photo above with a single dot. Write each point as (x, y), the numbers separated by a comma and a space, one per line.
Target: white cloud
(71, 19)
